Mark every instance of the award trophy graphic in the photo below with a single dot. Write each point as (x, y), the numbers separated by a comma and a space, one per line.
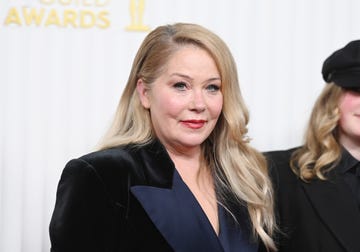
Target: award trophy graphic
(136, 16)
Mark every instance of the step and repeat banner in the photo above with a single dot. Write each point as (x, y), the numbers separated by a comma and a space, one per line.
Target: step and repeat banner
(64, 63)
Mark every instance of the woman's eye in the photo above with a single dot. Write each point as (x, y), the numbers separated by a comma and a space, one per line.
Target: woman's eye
(180, 85)
(213, 88)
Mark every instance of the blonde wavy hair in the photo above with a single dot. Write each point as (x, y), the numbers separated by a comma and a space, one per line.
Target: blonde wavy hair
(321, 151)
(240, 171)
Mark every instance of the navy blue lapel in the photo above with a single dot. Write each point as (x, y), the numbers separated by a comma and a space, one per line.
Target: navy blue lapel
(236, 236)
(178, 217)
(333, 201)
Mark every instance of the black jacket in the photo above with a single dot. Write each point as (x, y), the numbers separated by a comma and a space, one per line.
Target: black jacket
(314, 216)
(122, 199)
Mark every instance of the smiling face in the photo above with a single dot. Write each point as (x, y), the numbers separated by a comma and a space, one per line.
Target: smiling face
(349, 130)
(185, 101)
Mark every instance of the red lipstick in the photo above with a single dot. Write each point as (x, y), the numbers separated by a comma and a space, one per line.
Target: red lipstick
(194, 124)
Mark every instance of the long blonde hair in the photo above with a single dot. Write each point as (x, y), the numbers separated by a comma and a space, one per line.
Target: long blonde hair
(238, 169)
(321, 151)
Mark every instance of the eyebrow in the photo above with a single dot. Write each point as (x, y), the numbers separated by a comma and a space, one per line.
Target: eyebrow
(189, 78)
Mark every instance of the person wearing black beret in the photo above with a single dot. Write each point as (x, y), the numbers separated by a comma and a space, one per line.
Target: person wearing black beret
(317, 185)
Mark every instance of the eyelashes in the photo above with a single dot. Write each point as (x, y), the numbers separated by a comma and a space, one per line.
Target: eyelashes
(213, 88)
(182, 86)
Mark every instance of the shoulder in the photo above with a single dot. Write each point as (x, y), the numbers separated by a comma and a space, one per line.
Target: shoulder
(109, 168)
(280, 156)
(279, 166)
(130, 164)
(109, 172)
(108, 164)
(122, 156)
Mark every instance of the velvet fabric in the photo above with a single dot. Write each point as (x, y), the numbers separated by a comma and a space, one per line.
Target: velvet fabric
(132, 199)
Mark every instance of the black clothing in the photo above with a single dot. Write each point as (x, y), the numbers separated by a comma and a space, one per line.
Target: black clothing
(320, 215)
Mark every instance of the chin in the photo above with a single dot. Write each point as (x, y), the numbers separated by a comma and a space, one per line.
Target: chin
(196, 143)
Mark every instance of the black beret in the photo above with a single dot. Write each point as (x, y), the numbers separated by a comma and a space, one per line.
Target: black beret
(343, 66)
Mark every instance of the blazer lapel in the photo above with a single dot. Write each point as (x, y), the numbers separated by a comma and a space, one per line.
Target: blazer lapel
(163, 195)
(332, 200)
(176, 219)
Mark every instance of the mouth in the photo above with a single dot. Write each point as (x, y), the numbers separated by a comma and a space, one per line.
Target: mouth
(194, 124)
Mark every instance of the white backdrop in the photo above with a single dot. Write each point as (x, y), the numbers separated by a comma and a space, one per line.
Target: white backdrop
(63, 65)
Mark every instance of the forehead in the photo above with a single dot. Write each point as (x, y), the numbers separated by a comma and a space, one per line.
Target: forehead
(190, 56)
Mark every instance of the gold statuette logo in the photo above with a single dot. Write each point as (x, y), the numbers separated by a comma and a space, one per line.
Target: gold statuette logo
(136, 16)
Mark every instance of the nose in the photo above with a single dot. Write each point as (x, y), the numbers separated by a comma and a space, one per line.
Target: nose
(197, 101)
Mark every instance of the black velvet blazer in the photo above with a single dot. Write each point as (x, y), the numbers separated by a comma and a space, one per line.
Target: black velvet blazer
(315, 216)
(121, 199)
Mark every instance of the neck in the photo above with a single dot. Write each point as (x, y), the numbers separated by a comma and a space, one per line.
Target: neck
(190, 165)
(352, 147)
(355, 152)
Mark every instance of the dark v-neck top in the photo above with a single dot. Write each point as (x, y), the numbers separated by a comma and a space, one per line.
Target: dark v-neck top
(233, 236)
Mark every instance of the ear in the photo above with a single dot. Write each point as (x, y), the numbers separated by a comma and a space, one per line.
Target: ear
(143, 93)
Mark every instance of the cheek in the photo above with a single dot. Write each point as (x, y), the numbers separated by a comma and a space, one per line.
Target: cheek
(342, 122)
(169, 105)
(216, 106)
(346, 106)
(343, 112)
(350, 103)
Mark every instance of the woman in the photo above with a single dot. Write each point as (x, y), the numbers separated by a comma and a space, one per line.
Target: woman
(172, 173)
(319, 183)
